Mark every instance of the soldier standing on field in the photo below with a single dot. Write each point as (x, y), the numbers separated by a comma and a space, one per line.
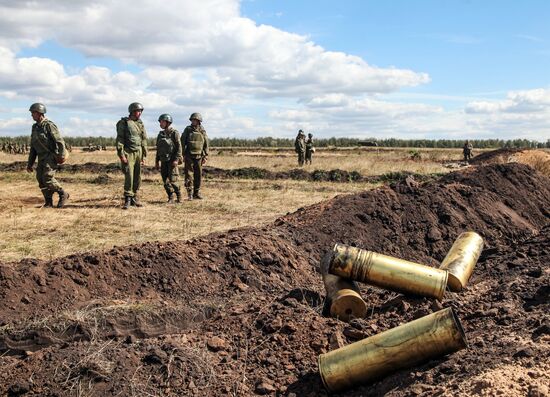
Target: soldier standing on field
(131, 146)
(309, 148)
(168, 157)
(300, 147)
(194, 143)
(49, 147)
(467, 150)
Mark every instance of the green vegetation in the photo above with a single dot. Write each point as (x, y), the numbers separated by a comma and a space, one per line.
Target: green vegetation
(269, 142)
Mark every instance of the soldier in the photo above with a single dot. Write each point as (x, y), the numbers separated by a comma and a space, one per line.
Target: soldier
(131, 146)
(300, 147)
(309, 148)
(10, 148)
(467, 150)
(194, 143)
(49, 147)
(168, 157)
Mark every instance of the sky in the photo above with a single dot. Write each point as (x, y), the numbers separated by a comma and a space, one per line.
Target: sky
(433, 69)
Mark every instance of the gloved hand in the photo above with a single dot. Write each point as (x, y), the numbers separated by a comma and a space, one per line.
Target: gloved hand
(123, 159)
(60, 159)
(203, 161)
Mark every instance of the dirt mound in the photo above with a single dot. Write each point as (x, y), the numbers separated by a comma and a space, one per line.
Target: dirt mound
(499, 156)
(238, 313)
(296, 174)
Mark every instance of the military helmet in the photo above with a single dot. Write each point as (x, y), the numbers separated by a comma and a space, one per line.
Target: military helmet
(38, 107)
(196, 116)
(300, 131)
(165, 117)
(135, 106)
(310, 134)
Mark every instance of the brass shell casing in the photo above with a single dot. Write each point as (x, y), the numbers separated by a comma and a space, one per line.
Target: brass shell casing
(388, 272)
(461, 259)
(344, 298)
(407, 345)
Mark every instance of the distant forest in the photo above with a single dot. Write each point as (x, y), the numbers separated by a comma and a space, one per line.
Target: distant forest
(268, 142)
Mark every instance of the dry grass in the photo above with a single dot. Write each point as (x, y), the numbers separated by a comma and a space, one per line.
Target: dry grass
(93, 219)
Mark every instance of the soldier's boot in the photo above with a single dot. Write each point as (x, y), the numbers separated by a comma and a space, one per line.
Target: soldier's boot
(127, 202)
(197, 195)
(63, 197)
(48, 200)
(170, 198)
(189, 194)
(178, 195)
(135, 202)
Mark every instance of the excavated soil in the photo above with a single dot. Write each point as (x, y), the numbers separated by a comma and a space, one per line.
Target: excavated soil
(239, 312)
(336, 175)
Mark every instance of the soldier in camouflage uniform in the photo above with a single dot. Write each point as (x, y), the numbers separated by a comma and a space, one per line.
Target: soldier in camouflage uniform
(168, 157)
(300, 147)
(49, 147)
(467, 150)
(194, 143)
(309, 148)
(131, 146)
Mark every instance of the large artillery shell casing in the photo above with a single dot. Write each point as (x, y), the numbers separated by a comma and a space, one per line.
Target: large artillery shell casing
(388, 272)
(461, 259)
(344, 298)
(409, 344)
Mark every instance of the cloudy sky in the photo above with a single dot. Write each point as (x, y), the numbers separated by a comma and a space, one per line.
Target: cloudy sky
(367, 68)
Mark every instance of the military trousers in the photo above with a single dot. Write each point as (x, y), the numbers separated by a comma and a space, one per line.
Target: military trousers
(132, 172)
(45, 175)
(193, 173)
(309, 153)
(170, 177)
(467, 155)
(301, 156)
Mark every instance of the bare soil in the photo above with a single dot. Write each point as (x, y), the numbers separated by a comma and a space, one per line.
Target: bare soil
(103, 170)
(239, 312)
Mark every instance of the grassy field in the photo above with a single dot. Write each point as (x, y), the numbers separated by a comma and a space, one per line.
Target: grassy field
(93, 218)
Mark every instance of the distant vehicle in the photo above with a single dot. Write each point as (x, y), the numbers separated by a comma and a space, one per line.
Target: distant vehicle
(367, 143)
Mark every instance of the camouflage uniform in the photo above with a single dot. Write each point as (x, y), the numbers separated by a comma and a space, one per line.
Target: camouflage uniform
(300, 147)
(168, 151)
(467, 151)
(131, 142)
(194, 143)
(309, 149)
(48, 146)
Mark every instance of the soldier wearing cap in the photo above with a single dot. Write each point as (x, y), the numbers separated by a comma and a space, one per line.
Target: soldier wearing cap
(467, 150)
(131, 145)
(168, 157)
(194, 143)
(309, 148)
(300, 147)
(48, 146)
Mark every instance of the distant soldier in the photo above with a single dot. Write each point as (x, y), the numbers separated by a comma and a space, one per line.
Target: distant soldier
(309, 148)
(467, 150)
(300, 147)
(10, 148)
(194, 143)
(131, 146)
(168, 157)
(49, 147)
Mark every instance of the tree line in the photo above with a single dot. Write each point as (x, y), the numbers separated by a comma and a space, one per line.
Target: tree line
(270, 142)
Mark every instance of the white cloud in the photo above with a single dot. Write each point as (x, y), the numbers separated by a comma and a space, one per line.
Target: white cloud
(526, 101)
(259, 59)
(228, 67)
